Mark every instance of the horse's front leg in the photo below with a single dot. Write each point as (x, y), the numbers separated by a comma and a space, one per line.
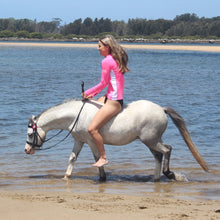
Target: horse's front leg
(102, 175)
(73, 157)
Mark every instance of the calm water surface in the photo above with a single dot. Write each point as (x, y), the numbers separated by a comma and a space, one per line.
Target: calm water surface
(36, 78)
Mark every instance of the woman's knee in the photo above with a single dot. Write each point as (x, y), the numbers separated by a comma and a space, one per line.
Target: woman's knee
(92, 130)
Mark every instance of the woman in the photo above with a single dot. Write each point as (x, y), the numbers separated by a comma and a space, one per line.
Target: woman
(114, 65)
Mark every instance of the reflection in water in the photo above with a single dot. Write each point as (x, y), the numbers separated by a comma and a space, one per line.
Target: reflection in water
(119, 184)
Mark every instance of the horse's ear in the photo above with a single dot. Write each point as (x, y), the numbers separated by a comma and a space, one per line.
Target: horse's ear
(32, 119)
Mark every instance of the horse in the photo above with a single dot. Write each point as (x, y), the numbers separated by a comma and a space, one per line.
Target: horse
(141, 119)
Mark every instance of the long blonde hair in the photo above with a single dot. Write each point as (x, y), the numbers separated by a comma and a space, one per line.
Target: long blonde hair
(117, 52)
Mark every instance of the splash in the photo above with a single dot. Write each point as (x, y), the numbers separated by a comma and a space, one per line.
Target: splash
(181, 177)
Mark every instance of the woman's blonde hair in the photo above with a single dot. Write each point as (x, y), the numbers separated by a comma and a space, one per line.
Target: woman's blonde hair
(117, 52)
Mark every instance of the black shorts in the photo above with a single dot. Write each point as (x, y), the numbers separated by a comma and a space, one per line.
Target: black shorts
(120, 101)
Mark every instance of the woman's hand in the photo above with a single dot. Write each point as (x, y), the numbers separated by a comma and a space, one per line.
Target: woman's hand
(85, 97)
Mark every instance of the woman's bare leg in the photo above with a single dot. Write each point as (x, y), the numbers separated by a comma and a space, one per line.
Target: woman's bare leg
(104, 114)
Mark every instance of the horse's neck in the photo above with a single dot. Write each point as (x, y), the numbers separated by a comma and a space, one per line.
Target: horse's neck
(58, 117)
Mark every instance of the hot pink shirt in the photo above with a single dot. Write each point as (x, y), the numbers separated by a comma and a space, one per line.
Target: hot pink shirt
(111, 77)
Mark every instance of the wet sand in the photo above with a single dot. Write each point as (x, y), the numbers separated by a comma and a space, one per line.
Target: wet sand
(68, 205)
(204, 48)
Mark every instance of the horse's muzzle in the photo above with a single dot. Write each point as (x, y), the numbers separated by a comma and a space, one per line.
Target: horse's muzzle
(28, 149)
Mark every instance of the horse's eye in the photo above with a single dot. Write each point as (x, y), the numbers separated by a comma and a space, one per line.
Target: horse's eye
(30, 135)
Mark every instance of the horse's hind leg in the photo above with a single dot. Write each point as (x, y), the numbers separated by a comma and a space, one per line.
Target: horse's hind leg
(158, 164)
(73, 157)
(165, 150)
(166, 165)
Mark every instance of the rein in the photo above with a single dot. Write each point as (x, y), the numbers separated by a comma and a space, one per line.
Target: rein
(36, 134)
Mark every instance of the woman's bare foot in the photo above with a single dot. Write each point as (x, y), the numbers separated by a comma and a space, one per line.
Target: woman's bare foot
(101, 162)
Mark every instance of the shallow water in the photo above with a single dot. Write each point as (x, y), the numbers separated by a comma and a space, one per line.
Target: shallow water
(36, 78)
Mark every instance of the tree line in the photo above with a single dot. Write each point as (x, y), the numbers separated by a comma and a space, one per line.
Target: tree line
(182, 26)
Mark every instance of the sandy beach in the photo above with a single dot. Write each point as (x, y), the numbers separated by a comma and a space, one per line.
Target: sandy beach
(63, 205)
(205, 48)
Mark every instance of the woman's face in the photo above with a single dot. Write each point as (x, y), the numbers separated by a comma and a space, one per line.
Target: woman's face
(104, 50)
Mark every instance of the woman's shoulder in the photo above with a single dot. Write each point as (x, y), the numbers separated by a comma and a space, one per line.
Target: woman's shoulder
(108, 60)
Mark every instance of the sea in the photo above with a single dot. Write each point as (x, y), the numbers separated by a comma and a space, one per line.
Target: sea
(34, 78)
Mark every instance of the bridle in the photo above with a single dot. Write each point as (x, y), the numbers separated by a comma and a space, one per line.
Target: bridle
(35, 133)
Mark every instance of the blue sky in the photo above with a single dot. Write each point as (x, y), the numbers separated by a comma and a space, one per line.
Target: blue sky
(70, 10)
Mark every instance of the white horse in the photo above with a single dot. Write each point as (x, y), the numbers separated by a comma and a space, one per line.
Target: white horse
(142, 120)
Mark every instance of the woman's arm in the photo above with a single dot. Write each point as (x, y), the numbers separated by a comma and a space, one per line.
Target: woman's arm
(103, 83)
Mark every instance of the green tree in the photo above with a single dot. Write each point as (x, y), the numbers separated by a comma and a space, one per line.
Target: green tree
(58, 36)
(136, 26)
(24, 25)
(36, 35)
(46, 27)
(87, 27)
(4, 24)
(215, 28)
(72, 28)
(6, 33)
(22, 34)
(189, 25)
(119, 27)
(57, 22)
(187, 17)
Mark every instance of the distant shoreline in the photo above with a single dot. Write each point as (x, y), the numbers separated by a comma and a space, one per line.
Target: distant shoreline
(186, 47)
(124, 40)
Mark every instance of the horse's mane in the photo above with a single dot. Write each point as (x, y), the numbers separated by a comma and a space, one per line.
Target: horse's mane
(54, 106)
(92, 101)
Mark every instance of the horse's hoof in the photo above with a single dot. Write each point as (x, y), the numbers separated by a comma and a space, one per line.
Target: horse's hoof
(66, 177)
(170, 175)
(102, 179)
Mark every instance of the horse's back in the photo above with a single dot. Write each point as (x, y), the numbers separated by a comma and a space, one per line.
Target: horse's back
(133, 111)
(135, 119)
(143, 108)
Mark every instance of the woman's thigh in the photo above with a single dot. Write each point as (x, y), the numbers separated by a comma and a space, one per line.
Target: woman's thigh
(110, 109)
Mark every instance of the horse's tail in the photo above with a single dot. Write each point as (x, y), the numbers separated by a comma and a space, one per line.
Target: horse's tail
(180, 124)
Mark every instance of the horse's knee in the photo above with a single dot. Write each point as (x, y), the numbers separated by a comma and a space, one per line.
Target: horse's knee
(72, 157)
(169, 148)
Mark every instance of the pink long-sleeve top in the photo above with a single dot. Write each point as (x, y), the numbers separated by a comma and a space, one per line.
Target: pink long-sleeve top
(112, 77)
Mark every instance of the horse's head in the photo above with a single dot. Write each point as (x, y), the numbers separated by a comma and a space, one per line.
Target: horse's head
(35, 136)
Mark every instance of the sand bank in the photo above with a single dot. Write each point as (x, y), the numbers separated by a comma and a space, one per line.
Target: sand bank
(63, 205)
(206, 48)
